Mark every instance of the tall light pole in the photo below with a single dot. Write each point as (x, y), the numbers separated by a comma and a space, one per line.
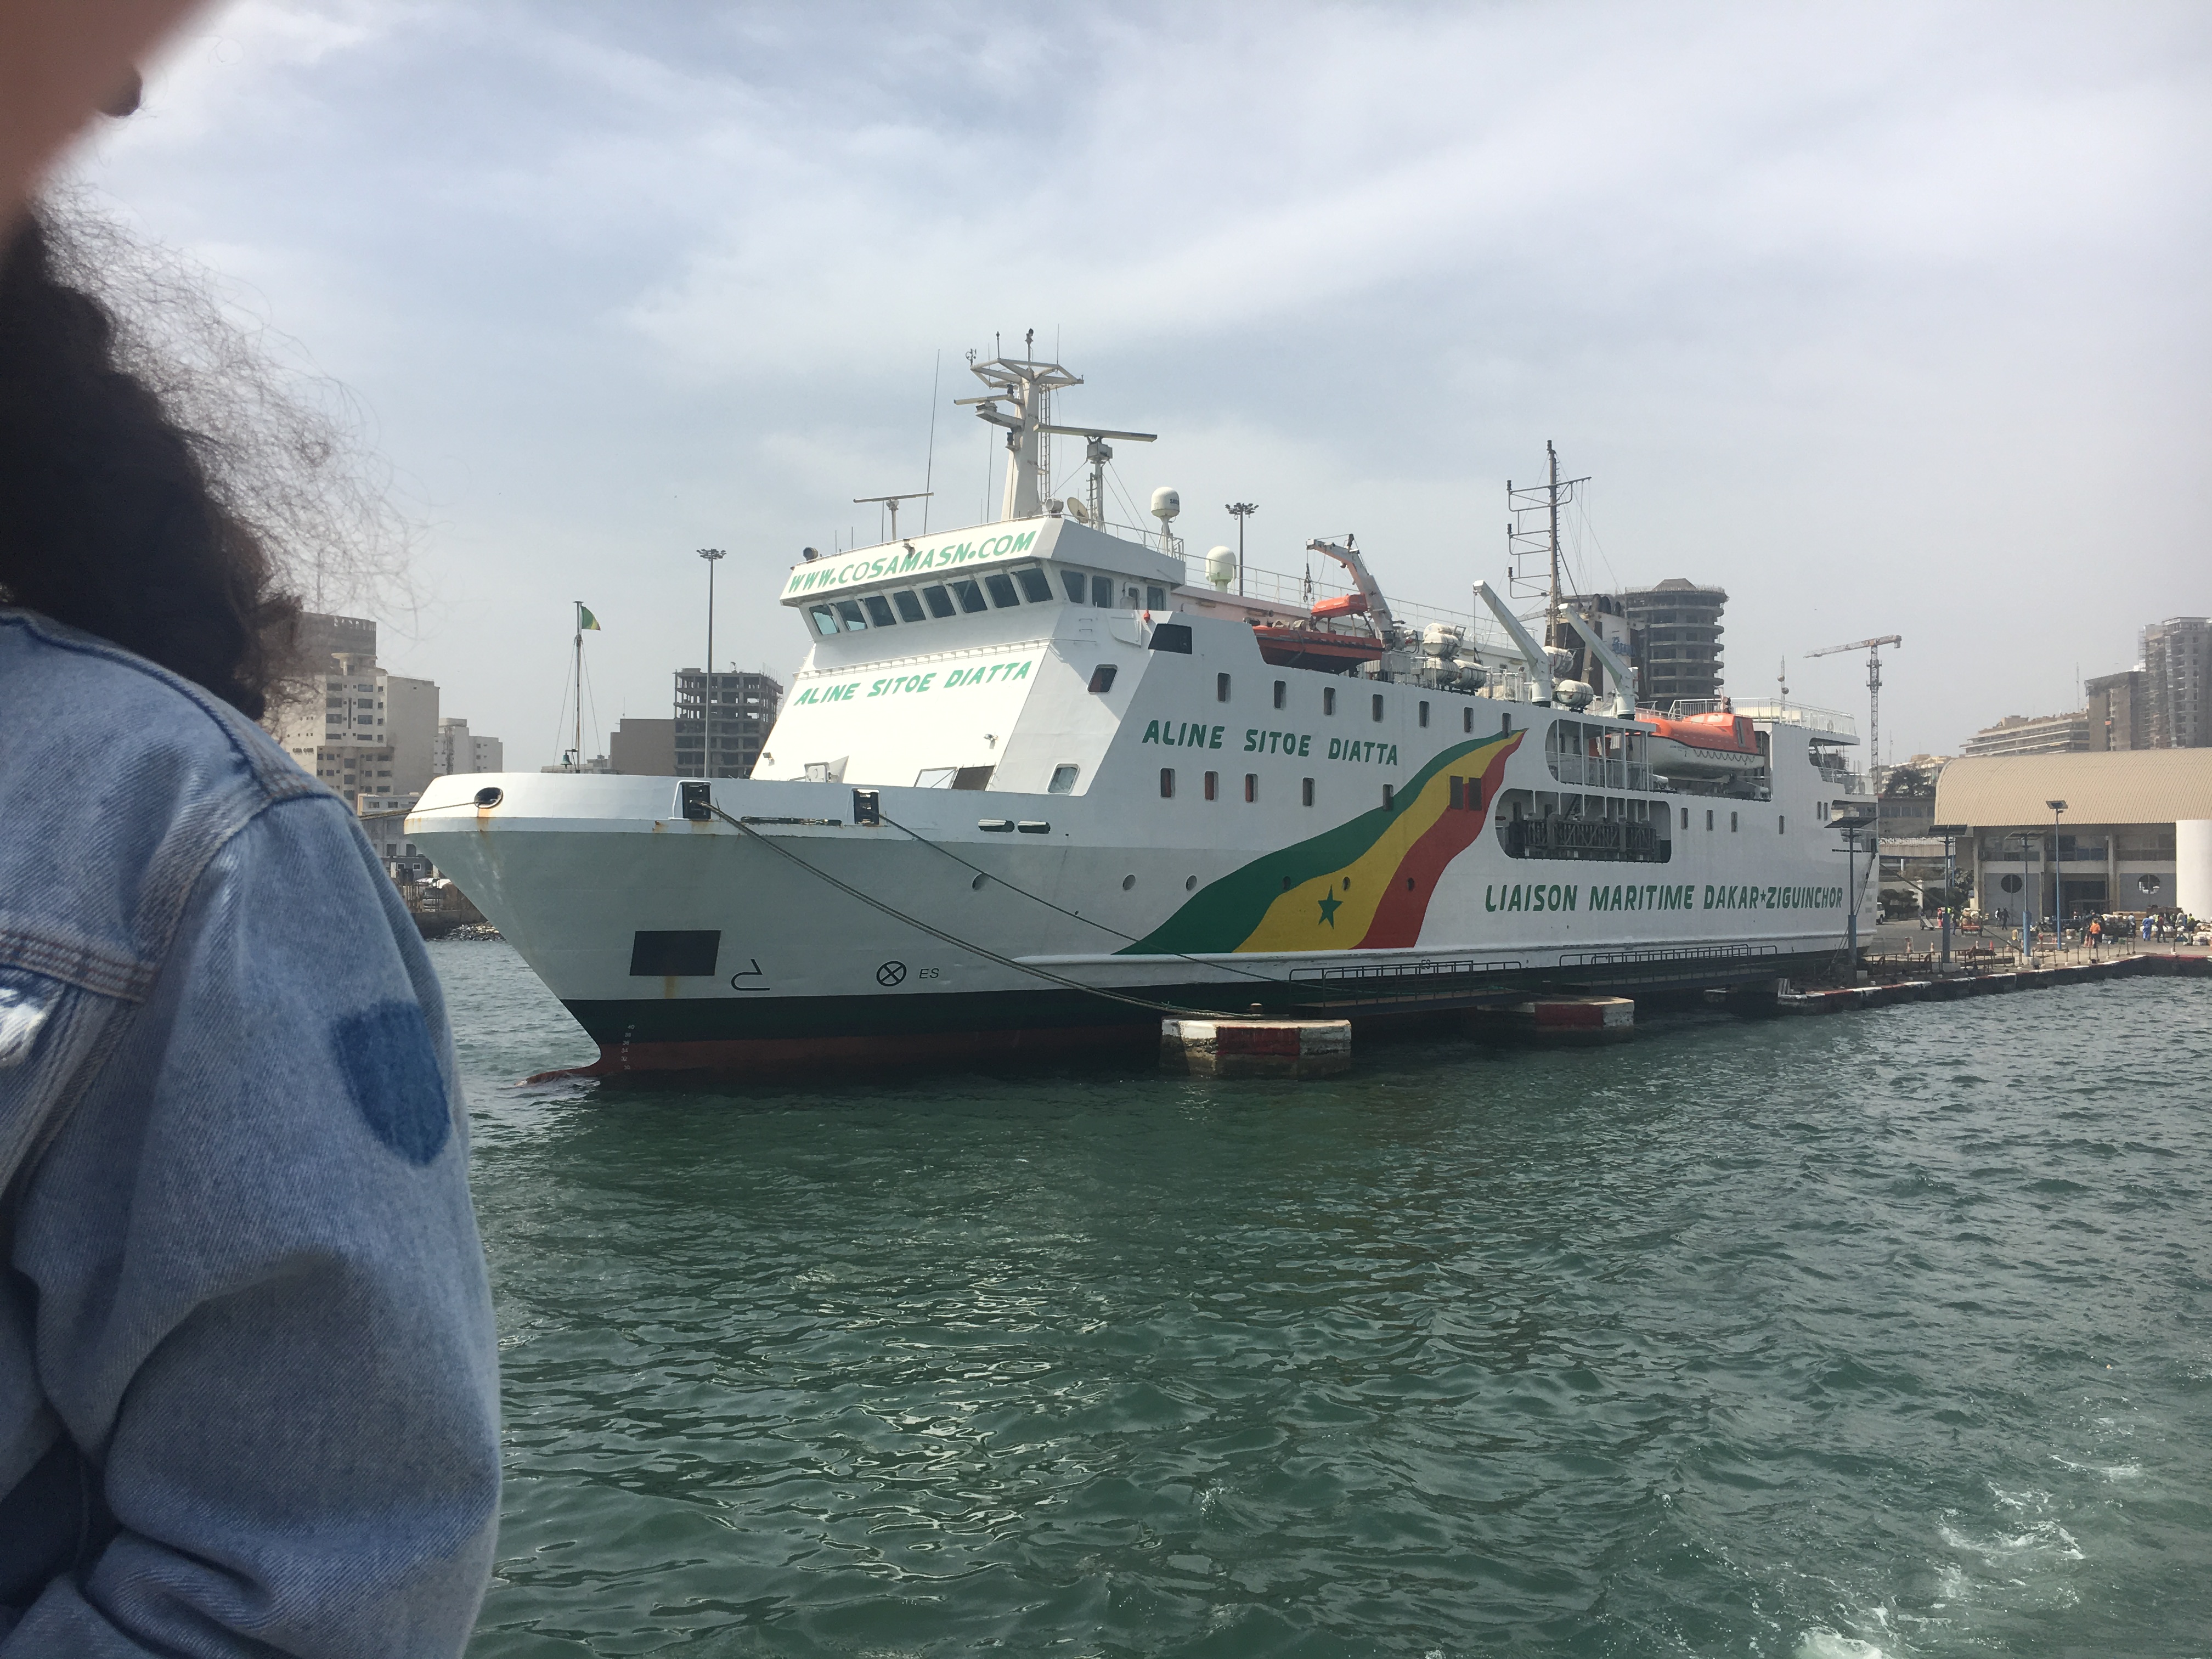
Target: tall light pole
(1950, 832)
(714, 555)
(2026, 910)
(2057, 880)
(1244, 510)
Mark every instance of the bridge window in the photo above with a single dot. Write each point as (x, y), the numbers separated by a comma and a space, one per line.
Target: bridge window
(910, 608)
(1102, 592)
(969, 595)
(1000, 587)
(848, 612)
(1077, 584)
(940, 601)
(824, 620)
(879, 610)
(1035, 588)
(1156, 599)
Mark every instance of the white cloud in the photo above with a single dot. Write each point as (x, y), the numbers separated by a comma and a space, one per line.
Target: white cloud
(1855, 311)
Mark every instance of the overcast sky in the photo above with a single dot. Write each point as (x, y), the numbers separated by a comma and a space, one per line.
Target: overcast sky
(1885, 319)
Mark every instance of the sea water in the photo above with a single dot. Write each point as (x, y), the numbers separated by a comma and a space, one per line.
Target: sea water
(1882, 1335)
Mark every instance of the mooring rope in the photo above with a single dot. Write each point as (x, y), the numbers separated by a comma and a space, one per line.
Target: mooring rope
(1072, 916)
(958, 943)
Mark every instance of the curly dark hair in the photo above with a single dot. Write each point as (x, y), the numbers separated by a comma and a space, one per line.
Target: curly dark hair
(109, 520)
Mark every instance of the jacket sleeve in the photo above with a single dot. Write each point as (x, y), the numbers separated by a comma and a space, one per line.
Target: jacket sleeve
(261, 1306)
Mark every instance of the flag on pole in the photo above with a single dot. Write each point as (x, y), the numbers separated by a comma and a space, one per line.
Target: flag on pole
(584, 619)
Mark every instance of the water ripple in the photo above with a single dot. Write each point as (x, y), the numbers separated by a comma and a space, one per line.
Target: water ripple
(1881, 1335)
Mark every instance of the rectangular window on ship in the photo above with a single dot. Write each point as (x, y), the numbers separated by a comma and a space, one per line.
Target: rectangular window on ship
(1000, 587)
(1251, 786)
(1035, 587)
(910, 608)
(940, 601)
(1078, 586)
(1167, 783)
(1305, 790)
(848, 612)
(969, 595)
(879, 610)
(1102, 592)
(1213, 786)
(824, 620)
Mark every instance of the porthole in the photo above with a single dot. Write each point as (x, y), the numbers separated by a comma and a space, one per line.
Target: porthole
(488, 797)
(1190, 883)
(977, 885)
(1128, 882)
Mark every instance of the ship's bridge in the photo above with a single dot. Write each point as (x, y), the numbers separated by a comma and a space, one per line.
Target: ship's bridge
(926, 580)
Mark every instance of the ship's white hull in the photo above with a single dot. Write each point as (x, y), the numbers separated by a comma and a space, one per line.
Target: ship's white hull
(929, 935)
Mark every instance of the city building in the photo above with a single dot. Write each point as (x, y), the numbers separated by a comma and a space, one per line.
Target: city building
(2116, 838)
(739, 717)
(358, 728)
(644, 748)
(1675, 630)
(383, 821)
(597, 763)
(2177, 665)
(2116, 711)
(2032, 735)
(459, 750)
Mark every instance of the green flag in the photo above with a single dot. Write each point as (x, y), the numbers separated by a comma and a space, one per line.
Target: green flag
(585, 619)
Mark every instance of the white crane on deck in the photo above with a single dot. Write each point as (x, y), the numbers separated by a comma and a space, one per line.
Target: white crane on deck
(1872, 648)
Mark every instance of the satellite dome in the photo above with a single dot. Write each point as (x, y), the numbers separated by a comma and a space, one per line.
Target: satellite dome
(1221, 567)
(1166, 503)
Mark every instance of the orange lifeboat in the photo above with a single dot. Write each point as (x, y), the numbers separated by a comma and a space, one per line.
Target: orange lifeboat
(1715, 745)
(1321, 648)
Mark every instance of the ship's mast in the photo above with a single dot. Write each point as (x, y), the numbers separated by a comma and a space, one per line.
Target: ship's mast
(1027, 385)
(1525, 541)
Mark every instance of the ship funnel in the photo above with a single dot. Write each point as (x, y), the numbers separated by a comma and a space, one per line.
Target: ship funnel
(1221, 567)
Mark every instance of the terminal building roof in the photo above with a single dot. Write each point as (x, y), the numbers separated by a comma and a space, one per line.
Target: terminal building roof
(2141, 785)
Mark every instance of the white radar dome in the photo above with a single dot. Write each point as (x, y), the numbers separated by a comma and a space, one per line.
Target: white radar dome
(1221, 567)
(1166, 503)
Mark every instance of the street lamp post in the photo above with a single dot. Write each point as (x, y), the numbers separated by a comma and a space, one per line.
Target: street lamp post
(1244, 510)
(2026, 910)
(2058, 878)
(714, 555)
(1950, 832)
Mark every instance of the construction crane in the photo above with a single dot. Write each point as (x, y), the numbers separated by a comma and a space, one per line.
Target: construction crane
(1872, 648)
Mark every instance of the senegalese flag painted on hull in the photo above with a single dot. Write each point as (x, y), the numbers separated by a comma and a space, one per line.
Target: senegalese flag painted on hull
(1345, 888)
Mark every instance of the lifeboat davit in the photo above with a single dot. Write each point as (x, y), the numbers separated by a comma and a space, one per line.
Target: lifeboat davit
(1715, 745)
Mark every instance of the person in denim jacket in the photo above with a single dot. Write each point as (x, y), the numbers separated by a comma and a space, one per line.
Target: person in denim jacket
(248, 1388)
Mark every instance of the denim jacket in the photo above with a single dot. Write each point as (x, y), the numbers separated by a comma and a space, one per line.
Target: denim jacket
(248, 1390)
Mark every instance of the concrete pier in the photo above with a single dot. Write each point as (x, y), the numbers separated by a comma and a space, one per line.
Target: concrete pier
(1949, 987)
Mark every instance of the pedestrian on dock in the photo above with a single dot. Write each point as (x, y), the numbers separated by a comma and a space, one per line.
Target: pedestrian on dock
(248, 1383)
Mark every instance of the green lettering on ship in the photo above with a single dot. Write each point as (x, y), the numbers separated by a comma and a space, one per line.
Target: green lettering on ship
(1277, 900)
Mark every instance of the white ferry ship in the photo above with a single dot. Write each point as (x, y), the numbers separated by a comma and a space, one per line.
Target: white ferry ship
(1039, 780)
